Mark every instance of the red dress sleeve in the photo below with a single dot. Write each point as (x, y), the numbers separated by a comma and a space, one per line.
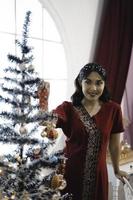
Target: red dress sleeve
(117, 120)
(63, 112)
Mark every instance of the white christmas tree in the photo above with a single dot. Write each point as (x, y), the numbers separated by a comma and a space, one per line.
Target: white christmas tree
(31, 129)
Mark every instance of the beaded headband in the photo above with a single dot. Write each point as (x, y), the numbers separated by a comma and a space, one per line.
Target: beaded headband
(90, 67)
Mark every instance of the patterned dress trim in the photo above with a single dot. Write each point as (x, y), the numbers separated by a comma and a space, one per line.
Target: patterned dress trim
(91, 160)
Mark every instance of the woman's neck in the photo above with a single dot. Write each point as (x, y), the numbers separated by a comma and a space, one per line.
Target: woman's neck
(92, 107)
(86, 102)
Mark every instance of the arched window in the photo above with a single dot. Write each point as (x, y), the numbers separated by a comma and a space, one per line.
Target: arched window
(49, 56)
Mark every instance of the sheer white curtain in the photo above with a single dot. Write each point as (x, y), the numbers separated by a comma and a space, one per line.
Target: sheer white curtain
(127, 103)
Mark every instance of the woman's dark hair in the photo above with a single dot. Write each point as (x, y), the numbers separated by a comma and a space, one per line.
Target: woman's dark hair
(84, 72)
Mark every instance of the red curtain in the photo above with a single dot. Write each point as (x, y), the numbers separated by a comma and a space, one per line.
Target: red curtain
(114, 44)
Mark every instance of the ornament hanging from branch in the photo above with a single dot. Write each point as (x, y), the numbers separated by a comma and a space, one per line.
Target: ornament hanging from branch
(43, 94)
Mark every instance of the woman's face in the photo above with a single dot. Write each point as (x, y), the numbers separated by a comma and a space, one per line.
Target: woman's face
(93, 86)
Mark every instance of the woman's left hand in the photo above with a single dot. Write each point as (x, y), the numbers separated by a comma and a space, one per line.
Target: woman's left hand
(122, 174)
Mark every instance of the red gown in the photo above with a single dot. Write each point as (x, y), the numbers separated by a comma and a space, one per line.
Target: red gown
(74, 122)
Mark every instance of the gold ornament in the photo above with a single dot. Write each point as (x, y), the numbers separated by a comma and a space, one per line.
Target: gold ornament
(5, 198)
(18, 158)
(31, 67)
(43, 94)
(27, 99)
(10, 165)
(26, 196)
(51, 132)
(1, 171)
(23, 130)
(61, 168)
(58, 182)
(17, 110)
(13, 196)
(55, 182)
(22, 66)
(63, 184)
(56, 196)
(44, 133)
(37, 152)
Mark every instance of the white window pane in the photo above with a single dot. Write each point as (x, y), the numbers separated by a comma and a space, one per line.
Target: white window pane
(57, 93)
(7, 16)
(50, 30)
(35, 29)
(49, 56)
(54, 61)
(7, 45)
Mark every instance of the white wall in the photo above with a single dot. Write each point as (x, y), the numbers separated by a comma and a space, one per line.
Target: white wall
(77, 21)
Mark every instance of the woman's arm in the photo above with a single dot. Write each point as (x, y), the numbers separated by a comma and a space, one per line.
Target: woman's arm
(114, 148)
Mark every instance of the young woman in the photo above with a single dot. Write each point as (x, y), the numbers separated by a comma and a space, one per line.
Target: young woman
(91, 123)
